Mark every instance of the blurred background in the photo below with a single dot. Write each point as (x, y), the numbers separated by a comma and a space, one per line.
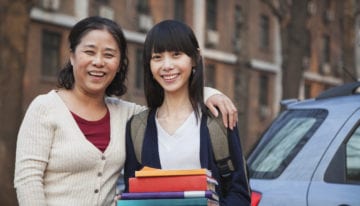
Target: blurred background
(257, 52)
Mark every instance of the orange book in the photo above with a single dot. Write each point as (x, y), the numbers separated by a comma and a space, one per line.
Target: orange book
(153, 172)
(172, 183)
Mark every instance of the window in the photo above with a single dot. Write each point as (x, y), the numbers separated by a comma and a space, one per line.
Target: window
(143, 6)
(103, 1)
(139, 81)
(283, 141)
(264, 32)
(237, 87)
(237, 29)
(263, 90)
(307, 90)
(353, 157)
(210, 75)
(308, 44)
(326, 49)
(307, 55)
(328, 14)
(179, 10)
(345, 165)
(211, 14)
(50, 53)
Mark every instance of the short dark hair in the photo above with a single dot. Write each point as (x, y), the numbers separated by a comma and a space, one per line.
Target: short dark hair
(172, 35)
(66, 77)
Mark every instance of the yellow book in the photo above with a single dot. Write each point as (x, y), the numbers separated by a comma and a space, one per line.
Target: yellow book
(153, 172)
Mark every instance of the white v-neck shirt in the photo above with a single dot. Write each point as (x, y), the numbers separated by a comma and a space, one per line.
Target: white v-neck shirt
(180, 150)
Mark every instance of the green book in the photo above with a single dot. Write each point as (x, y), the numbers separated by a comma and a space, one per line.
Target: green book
(201, 201)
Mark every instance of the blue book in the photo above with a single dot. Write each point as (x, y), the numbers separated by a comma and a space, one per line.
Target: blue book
(199, 201)
(169, 195)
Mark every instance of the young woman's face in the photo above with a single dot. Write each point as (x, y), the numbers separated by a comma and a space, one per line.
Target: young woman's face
(95, 62)
(171, 70)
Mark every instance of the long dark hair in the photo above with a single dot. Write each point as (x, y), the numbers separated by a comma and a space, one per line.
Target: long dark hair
(171, 35)
(66, 77)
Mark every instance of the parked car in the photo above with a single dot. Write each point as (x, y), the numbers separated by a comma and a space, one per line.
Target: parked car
(310, 154)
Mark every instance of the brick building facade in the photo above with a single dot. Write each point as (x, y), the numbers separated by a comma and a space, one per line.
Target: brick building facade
(240, 42)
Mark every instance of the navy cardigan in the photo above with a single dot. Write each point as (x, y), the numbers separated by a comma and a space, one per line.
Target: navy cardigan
(233, 190)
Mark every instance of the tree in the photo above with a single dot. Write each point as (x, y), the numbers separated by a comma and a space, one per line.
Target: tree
(15, 18)
(292, 17)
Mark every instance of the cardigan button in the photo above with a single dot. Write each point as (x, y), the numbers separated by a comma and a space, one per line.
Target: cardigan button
(96, 191)
(103, 157)
(99, 174)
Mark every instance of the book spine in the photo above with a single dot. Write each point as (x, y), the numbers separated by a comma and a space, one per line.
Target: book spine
(159, 172)
(169, 195)
(170, 184)
(207, 193)
(166, 202)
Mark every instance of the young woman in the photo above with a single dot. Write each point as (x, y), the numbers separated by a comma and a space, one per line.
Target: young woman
(71, 144)
(176, 134)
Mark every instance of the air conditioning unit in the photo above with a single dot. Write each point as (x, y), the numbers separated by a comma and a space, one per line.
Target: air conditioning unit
(106, 12)
(212, 37)
(145, 22)
(51, 5)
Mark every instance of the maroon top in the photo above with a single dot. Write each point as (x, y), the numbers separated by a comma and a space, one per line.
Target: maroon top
(96, 132)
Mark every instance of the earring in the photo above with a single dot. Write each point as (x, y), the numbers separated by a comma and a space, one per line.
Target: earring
(193, 71)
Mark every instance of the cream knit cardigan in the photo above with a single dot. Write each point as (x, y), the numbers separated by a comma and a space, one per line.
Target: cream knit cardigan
(57, 165)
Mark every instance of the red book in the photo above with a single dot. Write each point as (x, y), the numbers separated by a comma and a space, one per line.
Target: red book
(172, 183)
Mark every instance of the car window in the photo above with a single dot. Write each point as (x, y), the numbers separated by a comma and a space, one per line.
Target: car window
(353, 157)
(283, 140)
(344, 167)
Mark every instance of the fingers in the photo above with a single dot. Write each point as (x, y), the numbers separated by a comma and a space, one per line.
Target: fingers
(229, 113)
(225, 119)
(233, 115)
(227, 108)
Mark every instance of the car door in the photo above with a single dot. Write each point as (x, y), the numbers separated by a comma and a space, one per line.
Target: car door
(336, 181)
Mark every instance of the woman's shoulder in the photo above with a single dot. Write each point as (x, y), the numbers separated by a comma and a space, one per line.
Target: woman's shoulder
(45, 103)
(45, 98)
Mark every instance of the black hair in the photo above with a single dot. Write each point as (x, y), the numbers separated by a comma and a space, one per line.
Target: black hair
(66, 77)
(172, 35)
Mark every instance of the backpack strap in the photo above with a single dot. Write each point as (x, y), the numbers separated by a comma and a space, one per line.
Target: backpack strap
(138, 126)
(220, 145)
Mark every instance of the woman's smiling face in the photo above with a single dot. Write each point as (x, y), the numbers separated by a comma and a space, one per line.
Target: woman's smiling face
(171, 69)
(95, 62)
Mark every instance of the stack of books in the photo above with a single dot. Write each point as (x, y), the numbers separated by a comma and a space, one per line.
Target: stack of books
(156, 187)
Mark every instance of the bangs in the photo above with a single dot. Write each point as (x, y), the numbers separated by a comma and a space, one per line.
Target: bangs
(171, 38)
